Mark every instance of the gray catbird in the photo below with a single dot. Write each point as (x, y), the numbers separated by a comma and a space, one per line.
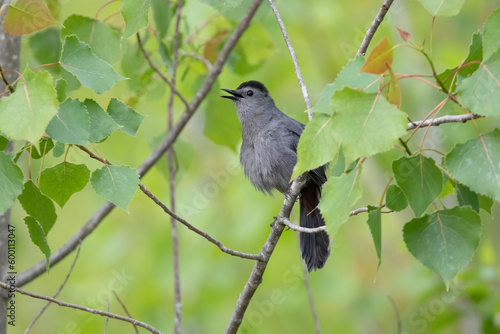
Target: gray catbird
(269, 154)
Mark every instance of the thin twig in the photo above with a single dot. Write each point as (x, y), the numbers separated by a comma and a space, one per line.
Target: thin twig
(58, 290)
(89, 226)
(374, 26)
(85, 309)
(157, 70)
(107, 319)
(198, 231)
(4, 79)
(294, 59)
(124, 309)
(199, 58)
(171, 177)
(443, 119)
(396, 312)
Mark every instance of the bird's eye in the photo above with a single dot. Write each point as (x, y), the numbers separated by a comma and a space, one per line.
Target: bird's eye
(249, 92)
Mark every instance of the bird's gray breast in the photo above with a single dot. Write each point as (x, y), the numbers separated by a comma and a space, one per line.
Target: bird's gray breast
(268, 159)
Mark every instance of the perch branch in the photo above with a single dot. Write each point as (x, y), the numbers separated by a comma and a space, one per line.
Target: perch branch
(374, 26)
(83, 308)
(260, 266)
(87, 228)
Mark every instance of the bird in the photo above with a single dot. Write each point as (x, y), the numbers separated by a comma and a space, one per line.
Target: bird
(268, 155)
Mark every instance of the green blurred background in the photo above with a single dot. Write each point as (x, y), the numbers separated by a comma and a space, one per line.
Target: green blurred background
(131, 253)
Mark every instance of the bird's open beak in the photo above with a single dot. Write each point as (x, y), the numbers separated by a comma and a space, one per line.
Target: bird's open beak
(235, 95)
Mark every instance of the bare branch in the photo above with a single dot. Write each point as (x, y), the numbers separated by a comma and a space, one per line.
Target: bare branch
(57, 292)
(260, 266)
(443, 119)
(39, 268)
(294, 58)
(298, 228)
(83, 308)
(171, 177)
(198, 231)
(374, 26)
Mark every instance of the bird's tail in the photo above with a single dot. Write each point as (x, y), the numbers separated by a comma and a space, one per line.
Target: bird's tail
(314, 247)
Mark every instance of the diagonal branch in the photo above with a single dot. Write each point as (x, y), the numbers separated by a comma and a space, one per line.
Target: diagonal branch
(39, 268)
(83, 308)
(374, 26)
(196, 230)
(260, 266)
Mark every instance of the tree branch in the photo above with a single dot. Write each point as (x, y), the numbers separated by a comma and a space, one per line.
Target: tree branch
(260, 266)
(294, 58)
(83, 308)
(196, 230)
(443, 119)
(105, 209)
(374, 26)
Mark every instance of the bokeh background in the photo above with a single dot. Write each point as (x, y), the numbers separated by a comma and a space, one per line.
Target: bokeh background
(131, 252)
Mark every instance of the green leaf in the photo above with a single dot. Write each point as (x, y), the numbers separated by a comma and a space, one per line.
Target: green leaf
(126, 117)
(395, 199)
(71, 124)
(442, 7)
(27, 16)
(46, 144)
(480, 93)
(339, 166)
(46, 47)
(102, 38)
(448, 188)
(475, 55)
(101, 123)
(11, 181)
(93, 72)
(59, 149)
(467, 197)
(366, 124)
(420, 180)
(39, 238)
(491, 36)
(485, 203)
(162, 14)
(316, 145)
(63, 180)
(476, 164)
(61, 90)
(3, 143)
(445, 240)
(339, 195)
(135, 14)
(38, 206)
(24, 114)
(117, 184)
(374, 222)
(349, 76)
